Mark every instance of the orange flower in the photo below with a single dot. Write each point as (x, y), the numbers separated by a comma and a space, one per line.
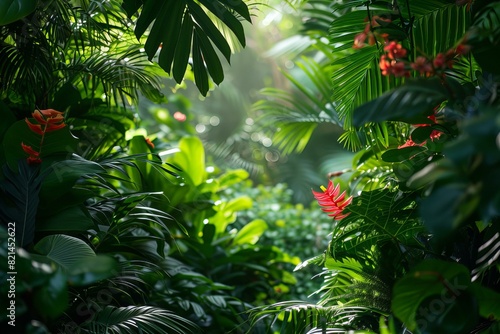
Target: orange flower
(36, 128)
(48, 117)
(396, 68)
(51, 113)
(331, 202)
(149, 142)
(48, 120)
(359, 40)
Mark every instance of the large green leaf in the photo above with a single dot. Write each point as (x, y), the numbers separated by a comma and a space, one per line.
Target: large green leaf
(13, 10)
(60, 142)
(52, 298)
(250, 233)
(65, 250)
(173, 30)
(19, 200)
(191, 160)
(411, 103)
(441, 285)
(77, 215)
(64, 174)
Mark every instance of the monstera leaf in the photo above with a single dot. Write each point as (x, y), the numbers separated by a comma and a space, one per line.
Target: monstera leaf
(183, 27)
(13, 10)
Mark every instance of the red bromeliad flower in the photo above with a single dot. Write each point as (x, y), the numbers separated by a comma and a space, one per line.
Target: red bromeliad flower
(48, 120)
(331, 202)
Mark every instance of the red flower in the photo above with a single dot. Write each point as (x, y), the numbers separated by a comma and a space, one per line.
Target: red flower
(395, 50)
(28, 149)
(48, 120)
(34, 161)
(410, 143)
(440, 61)
(49, 116)
(331, 202)
(34, 156)
(396, 68)
(423, 65)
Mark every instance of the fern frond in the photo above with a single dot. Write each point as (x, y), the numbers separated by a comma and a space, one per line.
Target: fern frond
(376, 216)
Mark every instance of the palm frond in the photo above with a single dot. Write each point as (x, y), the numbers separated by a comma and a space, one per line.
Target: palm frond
(301, 317)
(134, 319)
(350, 283)
(297, 114)
(438, 28)
(356, 76)
(119, 74)
(488, 253)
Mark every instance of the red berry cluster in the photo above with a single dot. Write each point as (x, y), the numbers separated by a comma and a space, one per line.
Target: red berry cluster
(394, 62)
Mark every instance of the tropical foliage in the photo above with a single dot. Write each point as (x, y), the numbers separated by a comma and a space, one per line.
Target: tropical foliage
(112, 227)
(417, 248)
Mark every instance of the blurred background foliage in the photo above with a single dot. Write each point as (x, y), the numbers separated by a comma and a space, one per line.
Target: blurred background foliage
(237, 129)
(177, 202)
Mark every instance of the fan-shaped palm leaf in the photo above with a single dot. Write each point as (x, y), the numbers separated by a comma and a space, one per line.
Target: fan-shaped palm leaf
(138, 319)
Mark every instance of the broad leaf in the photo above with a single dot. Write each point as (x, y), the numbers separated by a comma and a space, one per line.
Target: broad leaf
(191, 159)
(250, 233)
(52, 298)
(443, 281)
(19, 200)
(175, 23)
(64, 250)
(410, 103)
(13, 10)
